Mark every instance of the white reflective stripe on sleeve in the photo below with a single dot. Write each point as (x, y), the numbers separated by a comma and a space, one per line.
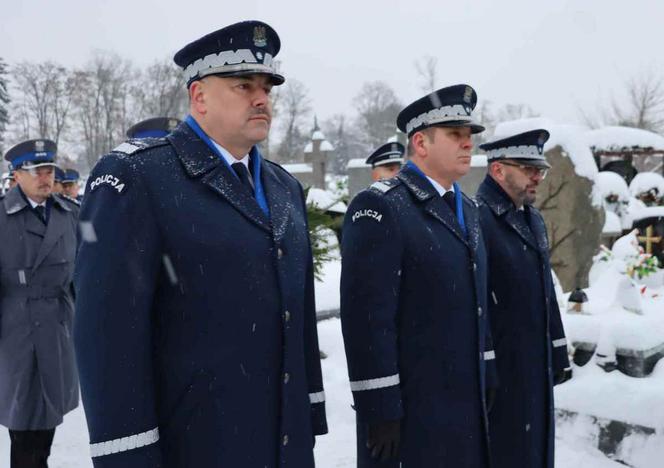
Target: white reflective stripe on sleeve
(488, 355)
(125, 443)
(373, 384)
(560, 342)
(318, 397)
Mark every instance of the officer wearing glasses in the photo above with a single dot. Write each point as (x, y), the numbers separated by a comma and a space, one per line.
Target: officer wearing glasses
(530, 344)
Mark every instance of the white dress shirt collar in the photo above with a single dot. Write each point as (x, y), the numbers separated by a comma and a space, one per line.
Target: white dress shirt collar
(33, 203)
(228, 157)
(439, 188)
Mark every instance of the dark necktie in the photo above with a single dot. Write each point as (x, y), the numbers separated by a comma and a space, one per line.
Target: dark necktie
(41, 213)
(523, 219)
(521, 216)
(243, 174)
(449, 198)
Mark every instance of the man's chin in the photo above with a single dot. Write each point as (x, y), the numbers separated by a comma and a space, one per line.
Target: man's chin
(462, 170)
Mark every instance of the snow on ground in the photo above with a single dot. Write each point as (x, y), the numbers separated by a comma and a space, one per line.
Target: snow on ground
(606, 316)
(337, 449)
(612, 224)
(647, 212)
(327, 289)
(70, 445)
(615, 396)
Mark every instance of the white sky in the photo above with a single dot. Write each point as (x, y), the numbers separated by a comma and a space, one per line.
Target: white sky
(556, 56)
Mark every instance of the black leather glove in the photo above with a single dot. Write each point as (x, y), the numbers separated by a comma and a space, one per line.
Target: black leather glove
(383, 440)
(490, 398)
(562, 376)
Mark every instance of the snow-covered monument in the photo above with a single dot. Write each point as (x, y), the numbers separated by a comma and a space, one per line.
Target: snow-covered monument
(312, 171)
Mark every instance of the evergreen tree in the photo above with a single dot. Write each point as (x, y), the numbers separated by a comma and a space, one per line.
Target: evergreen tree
(320, 226)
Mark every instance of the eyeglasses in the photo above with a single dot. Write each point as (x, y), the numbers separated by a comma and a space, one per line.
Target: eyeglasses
(530, 171)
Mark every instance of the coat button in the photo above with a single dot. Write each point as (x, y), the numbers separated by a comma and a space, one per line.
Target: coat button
(479, 311)
(280, 253)
(285, 439)
(286, 377)
(474, 266)
(37, 324)
(525, 247)
(286, 316)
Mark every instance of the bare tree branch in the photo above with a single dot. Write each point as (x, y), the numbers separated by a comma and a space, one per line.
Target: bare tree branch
(427, 70)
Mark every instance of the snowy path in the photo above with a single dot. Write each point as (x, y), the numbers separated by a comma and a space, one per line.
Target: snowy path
(337, 449)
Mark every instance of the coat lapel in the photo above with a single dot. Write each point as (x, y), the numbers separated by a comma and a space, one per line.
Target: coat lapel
(539, 231)
(521, 228)
(200, 161)
(33, 225)
(55, 229)
(279, 200)
(15, 203)
(472, 219)
(433, 202)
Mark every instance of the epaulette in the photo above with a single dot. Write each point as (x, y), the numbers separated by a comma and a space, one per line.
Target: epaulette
(137, 145)
(385, 185)
(65, 200)
(70, 199)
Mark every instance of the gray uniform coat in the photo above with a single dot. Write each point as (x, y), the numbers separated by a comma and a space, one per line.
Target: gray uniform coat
(38, 380)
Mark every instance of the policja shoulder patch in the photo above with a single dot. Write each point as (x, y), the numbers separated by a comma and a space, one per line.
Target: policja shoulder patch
(107, 179)
(367, 213)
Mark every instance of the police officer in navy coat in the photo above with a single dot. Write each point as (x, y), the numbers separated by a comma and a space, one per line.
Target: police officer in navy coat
(196, 330)
(38, 381)
(531, 349)
(386, 160)
(413, 299)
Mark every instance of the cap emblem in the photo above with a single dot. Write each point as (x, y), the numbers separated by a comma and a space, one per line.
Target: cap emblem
(260, 36)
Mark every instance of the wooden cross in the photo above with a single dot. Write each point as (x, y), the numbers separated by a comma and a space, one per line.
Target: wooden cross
(650, 239)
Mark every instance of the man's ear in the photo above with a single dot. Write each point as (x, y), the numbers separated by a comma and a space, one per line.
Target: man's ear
(496, 171)
(418, 143)
(197, 96)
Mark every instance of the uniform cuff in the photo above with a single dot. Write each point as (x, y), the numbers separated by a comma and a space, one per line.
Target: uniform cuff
(318, 418)
(560, 359)
(148, 456)
(381, 404)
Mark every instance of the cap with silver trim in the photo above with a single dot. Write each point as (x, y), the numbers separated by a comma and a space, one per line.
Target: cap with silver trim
(244, 48)
(527, 148)
(389, 153)
(31, 154)
(447, 107)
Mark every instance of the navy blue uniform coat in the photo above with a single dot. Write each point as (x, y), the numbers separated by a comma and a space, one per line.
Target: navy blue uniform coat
(413, 311)
(195, 330)
(527, 331)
